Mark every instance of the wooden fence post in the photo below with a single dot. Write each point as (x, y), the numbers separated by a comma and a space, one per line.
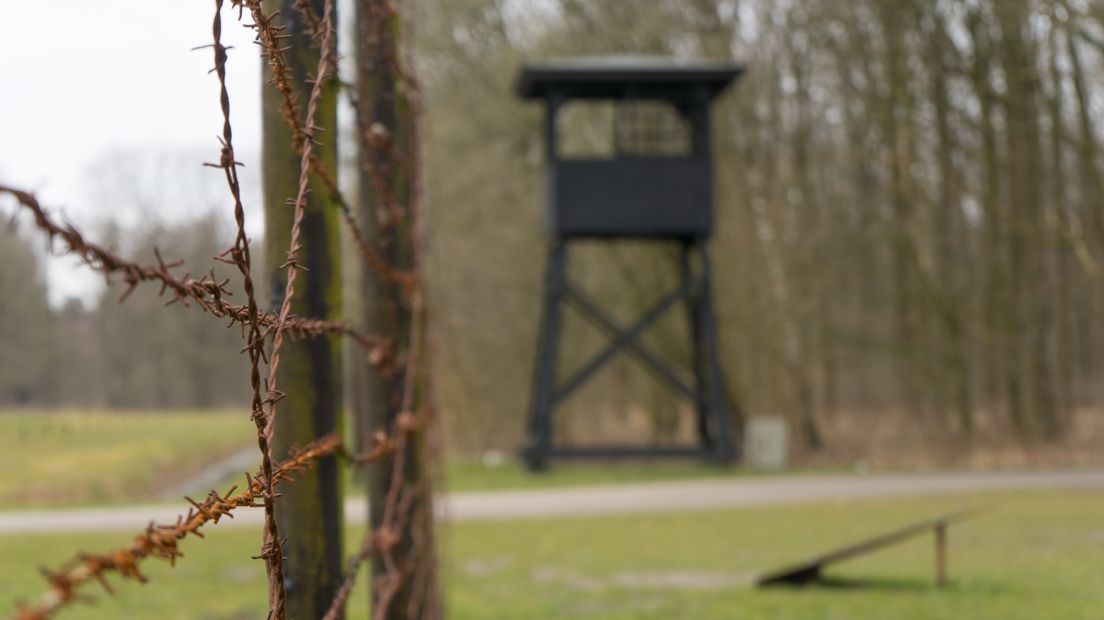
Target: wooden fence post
(386, 212)
(941, 554)
(309, 512)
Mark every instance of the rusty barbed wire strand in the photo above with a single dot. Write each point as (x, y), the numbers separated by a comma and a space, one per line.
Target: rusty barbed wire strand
(377, 147)
(374, 136)
(161, 541)
(311, 21)
(300, 206)
(337, 606)
(391, 582)
(396, 510)
(379, 157)
(271, 39)
(424, 560)
(371, 257)
(402, 500)
(284, 322)
(239, 254)
(373, 543)
(208, 293)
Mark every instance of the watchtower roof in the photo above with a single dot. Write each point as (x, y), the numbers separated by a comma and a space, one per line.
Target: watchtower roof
(621, 77)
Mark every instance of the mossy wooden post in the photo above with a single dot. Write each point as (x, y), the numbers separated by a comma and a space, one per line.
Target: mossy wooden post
(388, 175)
(309, 512)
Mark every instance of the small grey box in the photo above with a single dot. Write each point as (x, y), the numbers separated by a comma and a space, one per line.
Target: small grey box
(766, 444)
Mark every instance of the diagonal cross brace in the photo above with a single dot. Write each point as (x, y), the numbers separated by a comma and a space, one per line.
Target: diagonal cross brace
(623, 339)
(603, 321)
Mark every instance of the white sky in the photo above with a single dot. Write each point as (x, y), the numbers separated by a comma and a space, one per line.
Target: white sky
(81, 80)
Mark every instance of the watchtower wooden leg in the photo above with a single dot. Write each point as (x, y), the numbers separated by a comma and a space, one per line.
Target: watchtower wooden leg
(539, 440)
(716, 397)
(697, 350)
(941, 554)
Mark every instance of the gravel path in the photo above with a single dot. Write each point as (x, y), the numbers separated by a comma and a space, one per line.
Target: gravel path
(606, 500)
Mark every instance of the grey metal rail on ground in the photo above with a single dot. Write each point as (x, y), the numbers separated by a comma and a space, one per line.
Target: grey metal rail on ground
(810, 570)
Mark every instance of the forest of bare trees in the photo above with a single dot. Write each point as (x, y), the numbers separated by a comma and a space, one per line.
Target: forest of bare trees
(911, 209)
(94, 351)
(108, 354)
(910, 213)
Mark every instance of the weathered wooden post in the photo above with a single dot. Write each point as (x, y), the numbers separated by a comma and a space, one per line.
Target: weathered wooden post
(941, 554)
(386, 212)
(309, 512)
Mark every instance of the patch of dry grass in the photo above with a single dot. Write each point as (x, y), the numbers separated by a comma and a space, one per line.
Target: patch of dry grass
(52, 458)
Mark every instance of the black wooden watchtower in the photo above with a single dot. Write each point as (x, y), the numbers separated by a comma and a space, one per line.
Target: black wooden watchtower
(655, 183)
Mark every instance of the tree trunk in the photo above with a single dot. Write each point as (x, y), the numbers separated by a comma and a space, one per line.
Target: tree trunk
(1067, 367)
(897, 128)
(1092, 184)
(1030, 378)
(995, 311)
(953, 364)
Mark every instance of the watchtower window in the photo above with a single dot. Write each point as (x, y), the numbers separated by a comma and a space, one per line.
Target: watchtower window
(621, 129)
(650, 129)
(584, 130)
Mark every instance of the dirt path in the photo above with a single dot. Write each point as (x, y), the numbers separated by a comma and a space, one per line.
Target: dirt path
(245, 459)
(606, 500)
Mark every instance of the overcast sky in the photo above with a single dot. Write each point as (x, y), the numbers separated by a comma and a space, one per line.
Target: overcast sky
(81, 80)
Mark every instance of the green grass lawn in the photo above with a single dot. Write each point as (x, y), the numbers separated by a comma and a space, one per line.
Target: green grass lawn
(74, 458)
(83, 457)
(1032, 556)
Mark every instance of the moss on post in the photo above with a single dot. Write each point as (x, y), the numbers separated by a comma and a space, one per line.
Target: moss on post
(309, 512)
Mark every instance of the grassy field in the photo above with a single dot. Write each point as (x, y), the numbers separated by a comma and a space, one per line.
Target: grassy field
(68, 457)
(1032, 556)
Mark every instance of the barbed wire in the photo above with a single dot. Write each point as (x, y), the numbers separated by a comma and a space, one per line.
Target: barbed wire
(161, 541)
(404, 501)
(375, 138)
(402, 540)
(300, 205)
(207, 292)
(240, 255)
(272, 38)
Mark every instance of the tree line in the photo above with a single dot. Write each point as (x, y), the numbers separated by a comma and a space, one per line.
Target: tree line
(910, 219)
(108, 354)
(910, 205)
